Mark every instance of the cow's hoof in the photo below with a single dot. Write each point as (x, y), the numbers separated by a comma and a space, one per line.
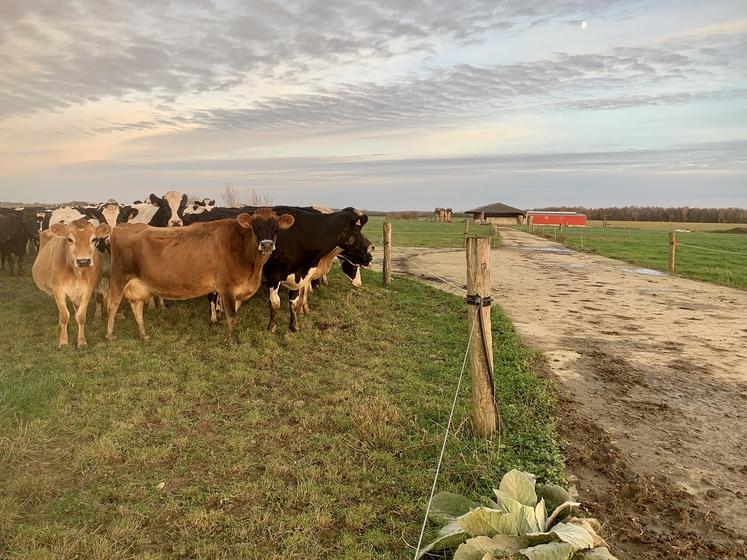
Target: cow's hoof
(144, 337)
(214, 324)
(294, 327)
(272, 329)
(111, 337)
(82, 345)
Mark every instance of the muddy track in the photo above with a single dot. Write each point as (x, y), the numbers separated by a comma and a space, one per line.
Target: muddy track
(651, 371)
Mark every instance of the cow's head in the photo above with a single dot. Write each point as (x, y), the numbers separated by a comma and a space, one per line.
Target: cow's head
(172, 207)
(355, 246)
(110, 213)
(352, 271)
(265, 225)
(81, 239)
(200, 206)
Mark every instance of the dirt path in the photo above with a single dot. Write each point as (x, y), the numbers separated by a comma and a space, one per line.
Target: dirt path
(653, 373)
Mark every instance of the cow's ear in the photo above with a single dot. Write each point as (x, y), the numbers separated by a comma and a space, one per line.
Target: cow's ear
(245, 220)
(286, 221)
(60, 230)
(184, 200)
(132, 214)
(102, 231)
(212, 202)
(155, 199)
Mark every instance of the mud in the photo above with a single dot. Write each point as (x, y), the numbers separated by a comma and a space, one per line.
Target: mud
(652, 373)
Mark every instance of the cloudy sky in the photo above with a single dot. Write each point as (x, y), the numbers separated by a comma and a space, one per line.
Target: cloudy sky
(382, 105)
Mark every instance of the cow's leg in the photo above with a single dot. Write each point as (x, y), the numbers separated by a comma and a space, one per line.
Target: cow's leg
(137, 310)
(99, 304)
(116, 292)
(21, 257)
(305, 299)
(229, 304)
(80, 318)
(274, 308)
(161, 303)
(294, 300)
(213, 301)
(64, 317)
(151, 303)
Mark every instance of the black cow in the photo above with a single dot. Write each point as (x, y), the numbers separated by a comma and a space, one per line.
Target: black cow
(13, 237)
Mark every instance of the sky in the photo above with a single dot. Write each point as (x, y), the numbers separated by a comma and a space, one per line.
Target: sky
(395, 104)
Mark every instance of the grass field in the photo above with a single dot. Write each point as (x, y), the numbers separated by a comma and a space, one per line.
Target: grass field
(314, 445)
(424, 233)
(713, 257)
(666, 226)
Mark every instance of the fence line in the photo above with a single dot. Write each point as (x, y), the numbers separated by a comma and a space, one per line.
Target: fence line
(710, 249)
(444, 280)
(446, 438)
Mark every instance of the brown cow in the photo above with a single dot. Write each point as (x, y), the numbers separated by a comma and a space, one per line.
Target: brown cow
(68, 267)
(223, 256)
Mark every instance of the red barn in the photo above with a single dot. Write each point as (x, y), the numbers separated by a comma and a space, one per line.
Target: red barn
(541, 218)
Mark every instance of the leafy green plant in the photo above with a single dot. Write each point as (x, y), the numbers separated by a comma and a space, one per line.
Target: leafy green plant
(516, 524)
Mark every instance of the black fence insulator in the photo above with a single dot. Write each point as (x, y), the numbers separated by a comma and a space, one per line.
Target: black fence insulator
(478, 301)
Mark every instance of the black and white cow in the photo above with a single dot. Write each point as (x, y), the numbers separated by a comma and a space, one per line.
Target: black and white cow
(113, 213)
(200, 206)
(170, 209)
(68, 214)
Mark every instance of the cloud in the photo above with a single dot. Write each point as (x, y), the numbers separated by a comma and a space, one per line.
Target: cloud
(61, 54)
(624, 77)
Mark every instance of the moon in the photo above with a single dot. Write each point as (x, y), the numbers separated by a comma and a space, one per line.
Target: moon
(584, 25)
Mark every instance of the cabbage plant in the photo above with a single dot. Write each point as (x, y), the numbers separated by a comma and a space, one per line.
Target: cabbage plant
(516, 524)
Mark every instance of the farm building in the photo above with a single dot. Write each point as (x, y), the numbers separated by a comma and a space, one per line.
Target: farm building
(498, 213)
(541, 218)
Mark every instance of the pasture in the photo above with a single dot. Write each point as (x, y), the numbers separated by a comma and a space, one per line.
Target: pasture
(666, 226)
(423, 233)
(713, 257)
(315, 445)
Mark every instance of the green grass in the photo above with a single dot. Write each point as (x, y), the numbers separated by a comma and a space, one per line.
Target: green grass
(666, 226)
(425, 233)
(714, 257)
(314, 445)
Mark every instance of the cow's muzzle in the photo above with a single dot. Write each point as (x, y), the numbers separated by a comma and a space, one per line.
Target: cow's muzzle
(83, 263)
(267, 246)
(176, 223)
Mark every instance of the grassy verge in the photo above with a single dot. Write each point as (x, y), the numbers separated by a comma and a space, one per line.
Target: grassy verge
(316, 445)
(426, 233)
(713, 257)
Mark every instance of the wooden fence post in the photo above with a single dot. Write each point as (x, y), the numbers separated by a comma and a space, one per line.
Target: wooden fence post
(466, 232)
(494, 234)
(484, 406)
(672, 249)
(387, 268)
(560, 232)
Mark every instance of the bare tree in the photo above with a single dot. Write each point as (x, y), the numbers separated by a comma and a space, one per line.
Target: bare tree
(234, 196)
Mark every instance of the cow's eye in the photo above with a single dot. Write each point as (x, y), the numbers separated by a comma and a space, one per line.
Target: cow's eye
(70, 240)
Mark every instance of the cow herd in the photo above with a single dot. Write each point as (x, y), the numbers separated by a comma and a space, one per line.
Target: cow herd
(171, 248)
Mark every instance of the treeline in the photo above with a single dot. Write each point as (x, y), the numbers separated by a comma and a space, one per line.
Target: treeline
(659, 214)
